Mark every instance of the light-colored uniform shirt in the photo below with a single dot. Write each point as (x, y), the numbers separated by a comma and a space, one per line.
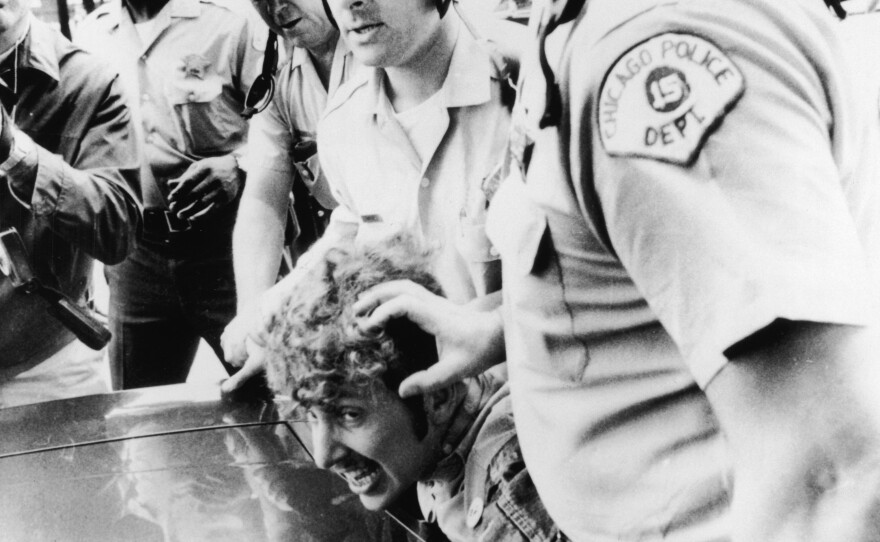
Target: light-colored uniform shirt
(298, 105)
(712, 173)
(187, 83)
(384, 187)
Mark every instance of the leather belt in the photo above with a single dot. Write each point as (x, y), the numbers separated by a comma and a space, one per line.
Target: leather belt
(162, 226)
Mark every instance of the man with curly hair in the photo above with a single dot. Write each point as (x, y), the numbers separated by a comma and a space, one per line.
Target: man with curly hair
(458, 443)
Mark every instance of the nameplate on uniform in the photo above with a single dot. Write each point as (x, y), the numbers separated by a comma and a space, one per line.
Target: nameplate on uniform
(664, 96)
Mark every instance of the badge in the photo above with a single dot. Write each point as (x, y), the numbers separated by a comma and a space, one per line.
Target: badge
(195, 66)
(664, 97)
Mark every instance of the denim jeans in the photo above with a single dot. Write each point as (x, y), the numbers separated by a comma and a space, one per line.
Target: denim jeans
(162, 302)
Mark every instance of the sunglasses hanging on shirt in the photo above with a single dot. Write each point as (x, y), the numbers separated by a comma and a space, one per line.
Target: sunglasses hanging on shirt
(263, 88)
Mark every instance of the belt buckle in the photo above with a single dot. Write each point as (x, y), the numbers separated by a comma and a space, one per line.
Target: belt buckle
(177, 224)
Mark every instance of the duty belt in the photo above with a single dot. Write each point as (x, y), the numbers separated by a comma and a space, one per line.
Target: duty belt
(163, 226)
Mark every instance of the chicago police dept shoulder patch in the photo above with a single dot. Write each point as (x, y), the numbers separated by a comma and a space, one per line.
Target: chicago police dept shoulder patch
(664, 96)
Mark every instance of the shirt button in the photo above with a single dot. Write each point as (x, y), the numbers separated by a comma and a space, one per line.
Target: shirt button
(425, 182)
(192, 96)
(145, 98)
(474, 513)
(493, 252)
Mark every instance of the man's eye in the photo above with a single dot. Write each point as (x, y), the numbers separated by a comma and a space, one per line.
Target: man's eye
(349, 415)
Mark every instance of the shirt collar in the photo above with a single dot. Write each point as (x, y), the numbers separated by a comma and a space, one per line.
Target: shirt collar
(468, 81)
(184, 9)
(301, 55)
(466, 425)
(38, 50)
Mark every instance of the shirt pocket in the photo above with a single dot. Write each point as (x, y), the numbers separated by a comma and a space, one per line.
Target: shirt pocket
(207, 124)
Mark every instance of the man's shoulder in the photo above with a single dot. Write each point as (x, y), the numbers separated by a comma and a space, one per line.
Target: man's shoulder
(77, 67)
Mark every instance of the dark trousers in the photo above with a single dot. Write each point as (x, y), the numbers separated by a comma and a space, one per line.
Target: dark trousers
(163, 300)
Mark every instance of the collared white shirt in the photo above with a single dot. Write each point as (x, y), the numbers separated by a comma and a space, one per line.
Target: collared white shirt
(383, 186)
(299, 102)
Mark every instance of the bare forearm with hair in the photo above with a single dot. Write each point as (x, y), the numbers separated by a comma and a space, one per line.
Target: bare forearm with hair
(800, 410)
(258, 238)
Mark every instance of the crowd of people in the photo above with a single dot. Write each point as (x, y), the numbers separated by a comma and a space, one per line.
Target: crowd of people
(608, 275)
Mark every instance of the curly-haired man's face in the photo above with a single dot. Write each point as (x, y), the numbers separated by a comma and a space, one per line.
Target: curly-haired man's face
(370, 441)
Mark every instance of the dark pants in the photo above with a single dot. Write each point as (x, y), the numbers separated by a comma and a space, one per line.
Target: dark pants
(163, 300)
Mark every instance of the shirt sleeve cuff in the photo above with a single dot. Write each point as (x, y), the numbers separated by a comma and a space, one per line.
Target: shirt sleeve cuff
(19, 167)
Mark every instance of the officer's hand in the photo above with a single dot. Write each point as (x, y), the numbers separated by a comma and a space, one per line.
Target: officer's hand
(255, 364)
(234, 338)
(205, 187)
(469, 341)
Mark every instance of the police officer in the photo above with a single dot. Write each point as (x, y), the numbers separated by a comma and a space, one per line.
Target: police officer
(282, 140)
(68, 166)
(187, 64)
(409, 143)
(689, 238)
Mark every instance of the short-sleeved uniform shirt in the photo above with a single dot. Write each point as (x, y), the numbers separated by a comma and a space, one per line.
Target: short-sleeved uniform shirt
(299, 102)
(712, 173)
(188, 76)
(383, 185)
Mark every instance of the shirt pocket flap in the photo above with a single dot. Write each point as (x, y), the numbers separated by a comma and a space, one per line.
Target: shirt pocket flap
(192, 90)
(516, 227)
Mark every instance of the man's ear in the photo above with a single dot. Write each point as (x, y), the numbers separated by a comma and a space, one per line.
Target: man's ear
(440, 405)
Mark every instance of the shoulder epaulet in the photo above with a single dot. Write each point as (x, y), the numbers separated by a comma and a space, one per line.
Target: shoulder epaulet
(102, 20)
(503, 42)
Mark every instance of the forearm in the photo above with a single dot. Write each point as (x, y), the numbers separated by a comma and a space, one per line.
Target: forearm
(93, 209)
(257, 244)
(803, 421)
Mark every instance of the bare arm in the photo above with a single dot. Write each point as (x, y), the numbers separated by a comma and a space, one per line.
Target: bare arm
(799, 406)
(257, 242)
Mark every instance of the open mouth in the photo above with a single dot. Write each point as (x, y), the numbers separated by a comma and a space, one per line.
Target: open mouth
(361, 477)
(290, 24)
(366, 28)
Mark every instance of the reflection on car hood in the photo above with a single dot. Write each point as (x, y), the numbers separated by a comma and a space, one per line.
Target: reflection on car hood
(175, 463)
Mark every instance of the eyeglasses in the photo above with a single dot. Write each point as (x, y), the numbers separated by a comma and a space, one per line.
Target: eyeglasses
(259, 96)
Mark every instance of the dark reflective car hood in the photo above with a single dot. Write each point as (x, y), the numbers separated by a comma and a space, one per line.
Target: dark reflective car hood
(176, 463)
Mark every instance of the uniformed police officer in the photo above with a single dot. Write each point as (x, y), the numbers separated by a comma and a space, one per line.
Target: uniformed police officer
(188, 64)
(280, 140)
(689, 242)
